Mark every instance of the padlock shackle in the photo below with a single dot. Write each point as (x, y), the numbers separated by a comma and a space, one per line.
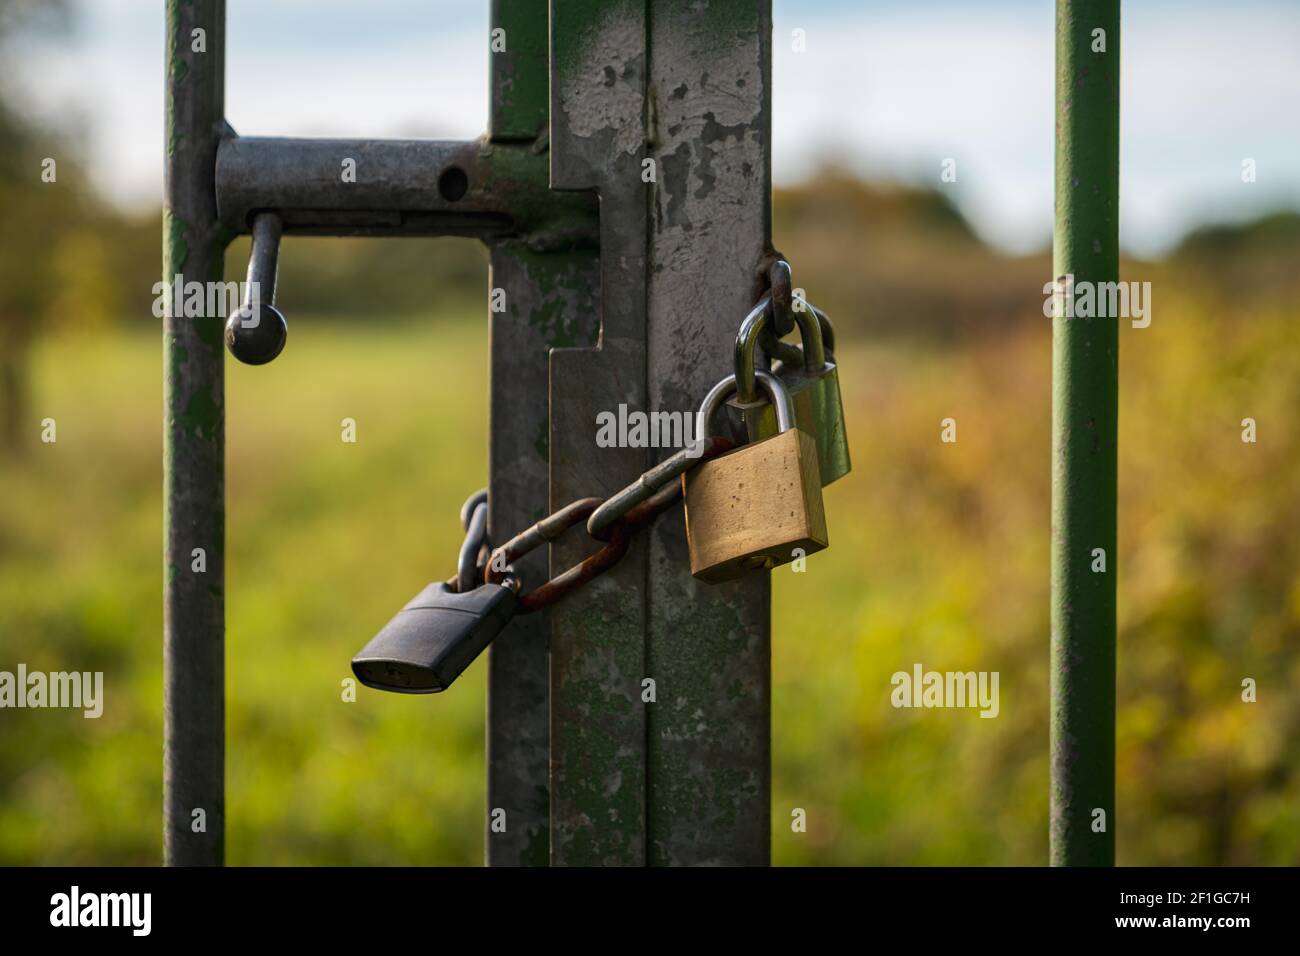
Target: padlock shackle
(746, 345)
(780, 281)
(776, 391)
(475, 537)
(751, 329)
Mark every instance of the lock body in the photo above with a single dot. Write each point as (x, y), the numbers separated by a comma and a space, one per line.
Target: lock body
(434, 638)
(818, 410)
(749, 510)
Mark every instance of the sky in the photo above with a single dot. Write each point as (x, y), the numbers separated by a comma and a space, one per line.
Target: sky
(889, 88)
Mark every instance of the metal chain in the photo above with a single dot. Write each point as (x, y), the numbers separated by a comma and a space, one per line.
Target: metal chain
(616, 519)
(622, 516)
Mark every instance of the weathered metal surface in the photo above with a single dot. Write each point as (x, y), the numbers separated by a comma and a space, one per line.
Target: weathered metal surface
(479, 188)
(685, 779)
(705, 768)
(519, 107)
(709, 645)
(1085, 398)
(194, 453)
(598, 108)
(550, 302)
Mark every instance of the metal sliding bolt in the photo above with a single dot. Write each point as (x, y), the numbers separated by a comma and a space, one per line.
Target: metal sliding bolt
(255, 334)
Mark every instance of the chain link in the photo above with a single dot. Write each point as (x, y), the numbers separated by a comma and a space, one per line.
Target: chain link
(634, 508)
(615, 520)
(473, 551)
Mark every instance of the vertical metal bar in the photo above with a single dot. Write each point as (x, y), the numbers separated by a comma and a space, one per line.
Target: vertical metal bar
(597, 142)
(193, 442)
(519, 79)
(709, 646)
(549, 302)
(1085, 397)
(536, 286)
(518, 699)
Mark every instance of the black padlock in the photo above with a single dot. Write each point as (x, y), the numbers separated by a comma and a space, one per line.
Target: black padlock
(434, 637)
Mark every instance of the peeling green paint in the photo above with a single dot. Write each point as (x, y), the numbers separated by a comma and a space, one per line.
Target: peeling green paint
(596, 710)
(550, 221)
(179, 68)
(556, 277)
(520, 85)
(211, 330)
(583, 21)
(201, 416)
(175, 250)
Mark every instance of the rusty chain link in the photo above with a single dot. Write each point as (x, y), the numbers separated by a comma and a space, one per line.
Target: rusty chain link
(615, 520)
(634, 509)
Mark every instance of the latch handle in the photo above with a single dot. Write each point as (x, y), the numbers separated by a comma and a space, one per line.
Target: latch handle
(256, 331)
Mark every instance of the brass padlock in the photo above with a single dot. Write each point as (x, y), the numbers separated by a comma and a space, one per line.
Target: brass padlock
(814, 387)
(758, 506)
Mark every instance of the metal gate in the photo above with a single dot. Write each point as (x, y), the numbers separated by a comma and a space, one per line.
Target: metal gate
(622, 288)
(607, 305)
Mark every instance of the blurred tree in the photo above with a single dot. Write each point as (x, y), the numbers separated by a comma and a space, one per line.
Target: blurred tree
(1244, 264)
(900, 261)
(36, 211)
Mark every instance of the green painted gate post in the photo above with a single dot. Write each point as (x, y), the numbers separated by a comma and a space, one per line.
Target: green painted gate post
(1085, 397)
(551, 291)
(193, 446)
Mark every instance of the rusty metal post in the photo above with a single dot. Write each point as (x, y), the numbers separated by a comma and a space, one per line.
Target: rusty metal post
(663, 110)
(549, 302)
(598, 723)
(708, 646)
(194, 447)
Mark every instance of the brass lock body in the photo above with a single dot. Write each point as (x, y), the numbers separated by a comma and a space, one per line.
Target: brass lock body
(814, 386)
(759, 506)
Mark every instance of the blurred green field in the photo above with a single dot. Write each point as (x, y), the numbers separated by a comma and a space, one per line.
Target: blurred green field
(939, 557)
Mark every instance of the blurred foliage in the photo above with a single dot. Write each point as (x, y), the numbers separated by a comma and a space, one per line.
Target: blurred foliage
(1237, 268)
(34, 216)
(940, 552)
(325, 540)
(898, 261)
(374, 280)
(940, 557)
